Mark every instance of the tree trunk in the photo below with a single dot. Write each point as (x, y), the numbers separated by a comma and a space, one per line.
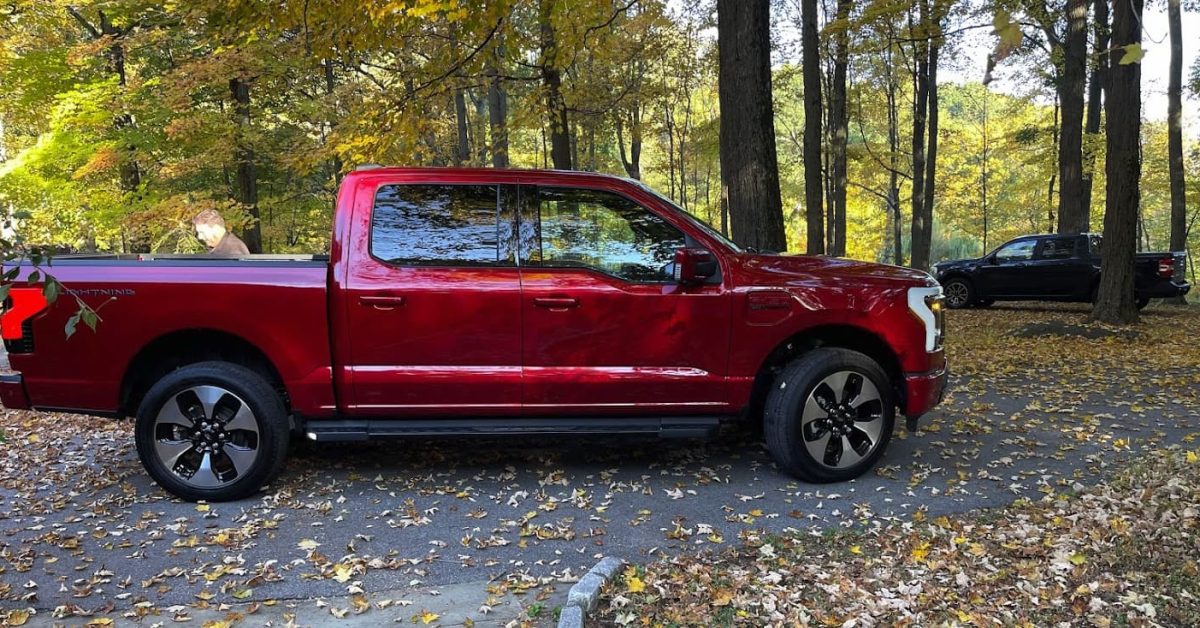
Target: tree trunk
(497, 100)
(813, 210)
(669, 124)
(749, 165)
(840, 123)
(919, 256)
(931, 154)
(556, 106)
(246, 191)
(462, 152)
(632, 163)
(897, 218)
(335, 162)
(1050, 205)
(1073, 215)
(128, 171)
(1115, 301)
(1175, 131)
(1096, 90)
(985, 163)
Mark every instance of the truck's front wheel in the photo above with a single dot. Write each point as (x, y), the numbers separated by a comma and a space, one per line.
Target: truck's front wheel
(830, 415)
(212, 431)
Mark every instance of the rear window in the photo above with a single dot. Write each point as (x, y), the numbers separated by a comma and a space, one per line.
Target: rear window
(439, 225)
(1058, 248)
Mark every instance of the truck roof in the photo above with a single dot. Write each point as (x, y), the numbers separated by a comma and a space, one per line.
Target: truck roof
(487, 173)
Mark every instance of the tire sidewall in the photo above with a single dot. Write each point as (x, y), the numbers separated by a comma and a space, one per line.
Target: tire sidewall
(259, 396)
(784, 422)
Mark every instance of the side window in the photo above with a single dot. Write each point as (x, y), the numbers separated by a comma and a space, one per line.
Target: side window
(1094, 245)
(600, 230)
(1058, 248)
(1016, 251)
(440, 225)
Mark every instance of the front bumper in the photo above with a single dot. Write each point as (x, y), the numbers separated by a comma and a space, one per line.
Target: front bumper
(923, 391)
(12, 392)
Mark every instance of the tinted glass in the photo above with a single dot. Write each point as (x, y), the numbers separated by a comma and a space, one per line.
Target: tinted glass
(439, 225)
(1016, 251)
(600, 230)
(1058, 248)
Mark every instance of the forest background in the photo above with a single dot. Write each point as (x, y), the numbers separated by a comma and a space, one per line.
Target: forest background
(121, 119)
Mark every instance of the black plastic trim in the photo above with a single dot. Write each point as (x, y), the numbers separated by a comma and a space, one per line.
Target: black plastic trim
(367, 429)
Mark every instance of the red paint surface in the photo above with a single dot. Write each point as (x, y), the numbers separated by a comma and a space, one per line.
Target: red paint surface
(428, 341)
(25, 303)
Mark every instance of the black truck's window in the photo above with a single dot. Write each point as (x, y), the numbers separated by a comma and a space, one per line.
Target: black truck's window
(601, 230)
(1016, 251)
(1058, 248)
(439, 225)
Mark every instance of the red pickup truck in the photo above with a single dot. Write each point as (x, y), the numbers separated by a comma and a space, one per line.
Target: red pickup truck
(464, 301)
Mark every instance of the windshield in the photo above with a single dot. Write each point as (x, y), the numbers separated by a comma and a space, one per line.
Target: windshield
(700, 224)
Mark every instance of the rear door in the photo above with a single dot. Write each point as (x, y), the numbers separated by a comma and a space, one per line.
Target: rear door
(434, 310)
(1058, 270)
(607, 329)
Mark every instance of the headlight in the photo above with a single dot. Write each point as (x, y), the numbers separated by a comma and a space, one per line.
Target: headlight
(928, 306)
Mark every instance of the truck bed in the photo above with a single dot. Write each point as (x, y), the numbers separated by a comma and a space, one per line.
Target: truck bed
(89, 259)
(275, 304)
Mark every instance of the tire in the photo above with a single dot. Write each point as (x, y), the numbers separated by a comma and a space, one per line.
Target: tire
(792, 434)
(959, 293)
(1141, 303)
(212, 431)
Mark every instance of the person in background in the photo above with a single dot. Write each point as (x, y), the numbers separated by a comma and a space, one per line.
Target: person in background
(210, 228)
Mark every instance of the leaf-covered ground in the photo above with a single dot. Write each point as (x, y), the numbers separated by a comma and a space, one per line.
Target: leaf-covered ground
(1123, 551)
(85, 535)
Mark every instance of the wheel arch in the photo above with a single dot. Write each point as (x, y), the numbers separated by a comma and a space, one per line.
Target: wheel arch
(841, 336)
(960, 274)
(180, 348)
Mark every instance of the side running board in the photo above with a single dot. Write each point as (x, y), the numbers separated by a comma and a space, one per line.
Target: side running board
(360, 430)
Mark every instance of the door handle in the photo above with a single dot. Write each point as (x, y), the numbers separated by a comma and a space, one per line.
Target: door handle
(381, 302)
(556, 303)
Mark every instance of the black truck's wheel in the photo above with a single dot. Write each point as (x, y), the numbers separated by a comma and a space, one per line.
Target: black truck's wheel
(212, 431)
(829, 415)
(959, 293)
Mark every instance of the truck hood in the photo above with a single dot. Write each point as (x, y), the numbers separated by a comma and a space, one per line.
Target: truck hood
(785, 270)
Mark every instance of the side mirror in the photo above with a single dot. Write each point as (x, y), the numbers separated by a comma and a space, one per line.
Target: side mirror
(694, 265)
(993, 260)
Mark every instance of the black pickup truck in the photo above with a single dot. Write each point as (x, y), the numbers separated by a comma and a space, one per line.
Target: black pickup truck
(1053, 268)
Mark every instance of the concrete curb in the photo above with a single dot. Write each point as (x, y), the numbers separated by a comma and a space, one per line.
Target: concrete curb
(586, 593)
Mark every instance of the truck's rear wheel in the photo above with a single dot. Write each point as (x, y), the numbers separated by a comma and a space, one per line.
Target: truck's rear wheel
(212, 431)
(830, 415)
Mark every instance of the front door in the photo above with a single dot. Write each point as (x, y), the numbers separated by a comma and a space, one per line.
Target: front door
(434, 312)
(607, 330)
(1007, 273)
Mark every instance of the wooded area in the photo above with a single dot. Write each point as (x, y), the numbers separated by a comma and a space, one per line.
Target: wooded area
(121, 119)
